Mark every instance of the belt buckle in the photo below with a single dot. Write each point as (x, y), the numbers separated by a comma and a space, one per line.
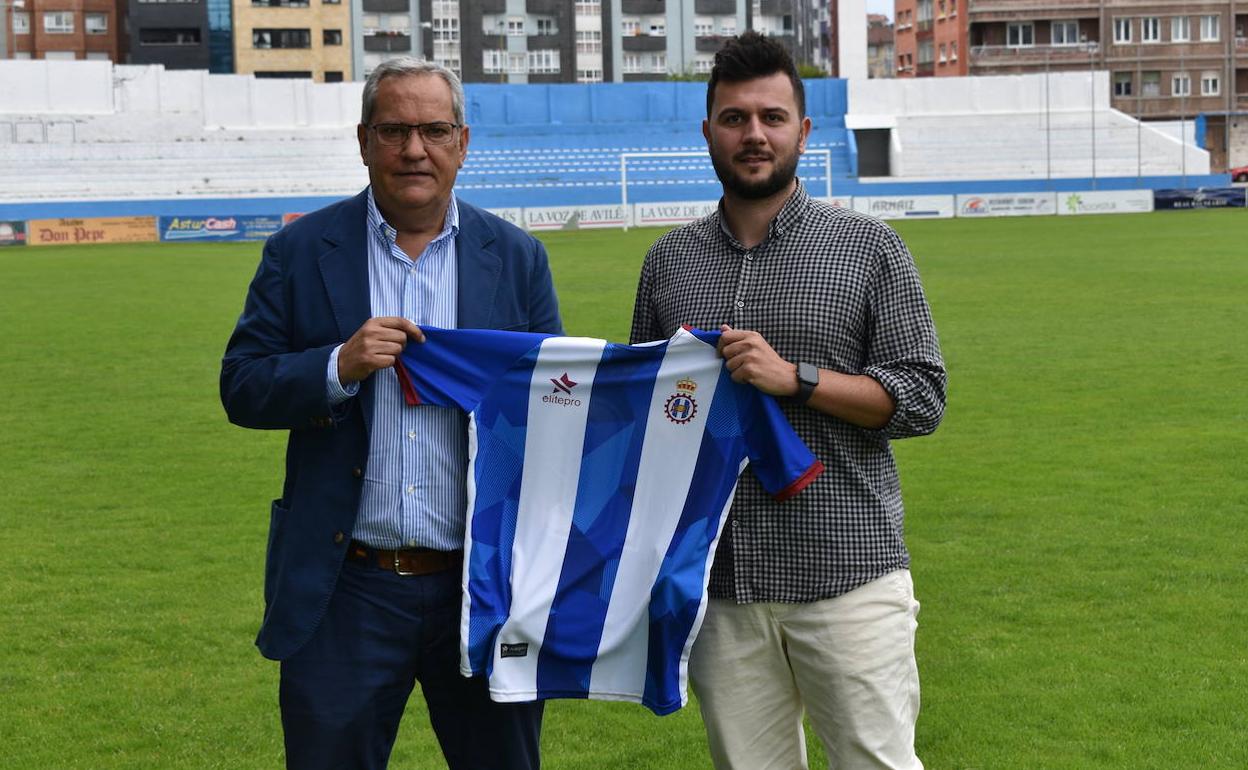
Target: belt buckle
(399, 570)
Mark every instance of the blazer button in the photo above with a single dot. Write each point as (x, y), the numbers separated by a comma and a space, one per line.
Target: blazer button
(357, 472)
(339, 537)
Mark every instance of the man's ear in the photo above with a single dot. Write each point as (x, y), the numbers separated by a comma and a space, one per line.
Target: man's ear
(361, 134)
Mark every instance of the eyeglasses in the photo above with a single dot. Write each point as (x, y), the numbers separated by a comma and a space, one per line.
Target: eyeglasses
(396, 134)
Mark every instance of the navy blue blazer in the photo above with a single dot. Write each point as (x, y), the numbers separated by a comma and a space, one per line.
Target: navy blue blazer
(309, 294)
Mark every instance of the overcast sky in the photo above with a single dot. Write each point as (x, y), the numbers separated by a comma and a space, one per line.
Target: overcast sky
(880, 6)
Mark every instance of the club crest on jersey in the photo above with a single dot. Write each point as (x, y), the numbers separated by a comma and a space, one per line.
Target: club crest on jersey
(681, 407)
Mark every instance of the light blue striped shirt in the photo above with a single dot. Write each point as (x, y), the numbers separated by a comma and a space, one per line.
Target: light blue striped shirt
(415, 483)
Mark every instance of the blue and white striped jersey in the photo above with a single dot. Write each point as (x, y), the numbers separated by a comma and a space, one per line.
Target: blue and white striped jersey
(601, 478)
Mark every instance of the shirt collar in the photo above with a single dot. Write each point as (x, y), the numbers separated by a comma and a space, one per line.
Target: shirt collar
(790, 214)
(383, 229)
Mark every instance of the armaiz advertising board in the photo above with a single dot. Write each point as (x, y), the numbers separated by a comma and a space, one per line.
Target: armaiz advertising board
(63, 232)
(1105, 202)
(906, 207)
(1007, 204)
(227, 227)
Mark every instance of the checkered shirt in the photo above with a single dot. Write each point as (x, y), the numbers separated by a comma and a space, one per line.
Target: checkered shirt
(837, 289)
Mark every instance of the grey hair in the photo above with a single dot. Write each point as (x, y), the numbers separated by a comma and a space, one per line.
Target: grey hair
(410, 65)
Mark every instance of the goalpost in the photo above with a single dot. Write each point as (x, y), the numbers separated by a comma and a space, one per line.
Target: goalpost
(625, 157)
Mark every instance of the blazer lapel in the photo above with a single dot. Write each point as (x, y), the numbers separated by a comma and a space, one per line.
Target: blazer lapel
(479, 268)
(344, 270)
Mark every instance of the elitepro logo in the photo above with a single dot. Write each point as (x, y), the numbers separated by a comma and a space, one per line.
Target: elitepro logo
(563, 384)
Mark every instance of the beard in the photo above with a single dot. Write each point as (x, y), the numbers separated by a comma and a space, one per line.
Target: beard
(781, 176)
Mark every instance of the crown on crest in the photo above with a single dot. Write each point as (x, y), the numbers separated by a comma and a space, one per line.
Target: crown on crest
(686, 385)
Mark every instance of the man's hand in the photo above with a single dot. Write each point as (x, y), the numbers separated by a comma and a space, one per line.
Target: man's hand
(751, 360)
(375, 345)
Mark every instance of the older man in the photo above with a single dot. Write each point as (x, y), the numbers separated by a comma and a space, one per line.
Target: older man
(812, 607)
(362, 577)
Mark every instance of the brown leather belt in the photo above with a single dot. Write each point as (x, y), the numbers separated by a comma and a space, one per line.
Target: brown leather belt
(405, 561)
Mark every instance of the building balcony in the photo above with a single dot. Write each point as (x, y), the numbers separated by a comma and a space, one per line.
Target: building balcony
(643, 7)
(1035, 55)
(388, 43)
(1241, 44)
(715, 7)
(1027, 10)
(709, 43)
(634, 43)
(386, 6)
(925, 69)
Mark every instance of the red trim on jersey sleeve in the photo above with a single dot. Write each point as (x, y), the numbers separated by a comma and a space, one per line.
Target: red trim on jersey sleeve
(800, 483)
(410, 396)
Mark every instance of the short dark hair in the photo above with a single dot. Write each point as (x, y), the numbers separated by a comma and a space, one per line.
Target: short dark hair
(751, 55)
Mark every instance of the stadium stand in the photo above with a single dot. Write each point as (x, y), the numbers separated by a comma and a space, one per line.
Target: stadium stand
(97, 132)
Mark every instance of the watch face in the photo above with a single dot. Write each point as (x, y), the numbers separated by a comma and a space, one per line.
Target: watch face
(808, 373)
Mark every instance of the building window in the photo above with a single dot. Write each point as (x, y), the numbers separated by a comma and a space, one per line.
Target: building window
(515, 63)
(1180, 29)
(333, 76)
(60, 55)
(331, 37)
(658, 28)
(281, 38)
(659, 64)
(1210, 84)
(546, 26)
(1150, 29)
(1064, 33)
(589, 76)
(703, 27)
(590, 8)
(728, 27)
(282, 74)
(279, 3)
(169, 36)
(97, 56)
(331, 2)
(953, 8)
(1210, 28)
(1019, 35)
(1122, 30)
(21, 22)
(589, 41)
(58, 23)
(632, 63)
(630, 28)
(1181, 85)
(95, 23)
(1150, 83)
(1122, 84)
(703, 66)
(926, 52)
(446, 29)
(953, 51)
(943, 57)
(544, 61)
(515, 26)
(492, 61)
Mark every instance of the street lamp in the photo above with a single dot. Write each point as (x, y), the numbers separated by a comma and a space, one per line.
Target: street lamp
(6, 24)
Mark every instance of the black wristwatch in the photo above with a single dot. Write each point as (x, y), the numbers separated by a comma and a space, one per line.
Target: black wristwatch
(807, 381)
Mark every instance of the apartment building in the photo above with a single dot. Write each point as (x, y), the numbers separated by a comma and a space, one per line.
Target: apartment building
(583, 41)
(63, 29)
(173, 34)
(930, 38)
(292, 39)
(880, 47)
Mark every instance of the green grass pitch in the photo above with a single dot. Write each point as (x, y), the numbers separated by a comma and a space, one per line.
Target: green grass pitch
(1077, 524)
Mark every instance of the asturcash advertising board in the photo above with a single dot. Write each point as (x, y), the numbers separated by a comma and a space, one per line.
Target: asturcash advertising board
(221, 228)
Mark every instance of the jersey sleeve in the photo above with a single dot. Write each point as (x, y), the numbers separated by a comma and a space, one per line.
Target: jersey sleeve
(456, 367)
(781, 461)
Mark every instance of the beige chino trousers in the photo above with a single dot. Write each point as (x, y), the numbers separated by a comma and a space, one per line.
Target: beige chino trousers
(849, 661)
